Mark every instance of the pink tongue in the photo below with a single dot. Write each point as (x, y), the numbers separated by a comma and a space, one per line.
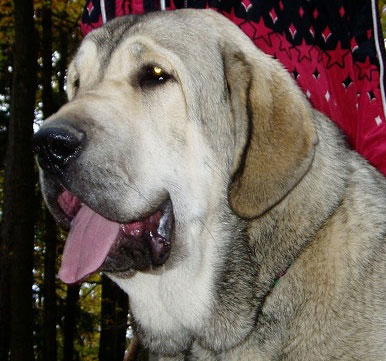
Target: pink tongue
(88, 243)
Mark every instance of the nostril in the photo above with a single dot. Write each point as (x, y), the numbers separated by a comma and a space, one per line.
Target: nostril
(62, 145)
(56, 147)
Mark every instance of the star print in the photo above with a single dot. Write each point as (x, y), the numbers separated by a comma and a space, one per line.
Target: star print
(347, 82)
(303, 51)
(90, 8)
(366, 69)
(247, 5)
(339, 55)
(316, 74)
(371, 95)
(263, 34)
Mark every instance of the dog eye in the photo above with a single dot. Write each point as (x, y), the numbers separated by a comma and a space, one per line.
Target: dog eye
(152, 76)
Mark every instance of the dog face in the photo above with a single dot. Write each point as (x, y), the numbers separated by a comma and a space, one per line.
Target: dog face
(172, 138)
(129, 109)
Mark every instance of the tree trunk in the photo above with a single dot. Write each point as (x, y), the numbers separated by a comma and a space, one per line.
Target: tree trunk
(113, 322)
(62, 64)
(4, 301)
(49, 350)
(70, 318)
(19, 184)
(50, 289)
(46, 53)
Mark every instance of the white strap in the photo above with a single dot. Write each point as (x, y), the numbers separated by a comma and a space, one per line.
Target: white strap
(103, 11)
(379, 54)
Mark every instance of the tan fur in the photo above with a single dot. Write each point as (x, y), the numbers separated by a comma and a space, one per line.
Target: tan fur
(281, 141)
(279, 251)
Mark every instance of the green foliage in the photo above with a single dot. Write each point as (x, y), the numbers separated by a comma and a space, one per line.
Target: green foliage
(382, 12)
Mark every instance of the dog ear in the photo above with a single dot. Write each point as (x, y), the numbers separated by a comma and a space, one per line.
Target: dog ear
(274, 134)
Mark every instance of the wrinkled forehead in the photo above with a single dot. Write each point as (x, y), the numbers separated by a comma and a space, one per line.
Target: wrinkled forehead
(187, 36)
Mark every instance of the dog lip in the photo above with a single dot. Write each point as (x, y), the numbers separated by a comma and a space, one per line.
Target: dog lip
(69, 205)
(138, 245)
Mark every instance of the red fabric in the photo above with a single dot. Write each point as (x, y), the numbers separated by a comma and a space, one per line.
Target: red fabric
(328, 48)
(356, 107)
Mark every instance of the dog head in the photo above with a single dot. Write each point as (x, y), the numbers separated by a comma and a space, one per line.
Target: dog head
(173, 135)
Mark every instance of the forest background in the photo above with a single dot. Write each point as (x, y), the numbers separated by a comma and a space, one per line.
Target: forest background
(42, 319)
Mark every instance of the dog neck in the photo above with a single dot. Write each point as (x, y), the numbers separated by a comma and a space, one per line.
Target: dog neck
(275, 240)
(241, 265)
(280, 235)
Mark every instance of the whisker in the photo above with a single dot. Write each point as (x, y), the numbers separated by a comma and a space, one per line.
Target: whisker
(214, 167)
(210, 233)
(135, 188)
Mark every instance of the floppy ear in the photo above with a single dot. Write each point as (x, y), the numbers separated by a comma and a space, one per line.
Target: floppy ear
(274, 134)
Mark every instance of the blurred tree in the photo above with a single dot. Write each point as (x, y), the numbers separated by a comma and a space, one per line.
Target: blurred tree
(113, 322)
(71, 314)
(18, 60)
(6, 34)
(19, 185)
(50, 234)
(49, 289)
(382, 12)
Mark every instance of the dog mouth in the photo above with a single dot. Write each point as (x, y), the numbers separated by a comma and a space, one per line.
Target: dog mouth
(95, 243)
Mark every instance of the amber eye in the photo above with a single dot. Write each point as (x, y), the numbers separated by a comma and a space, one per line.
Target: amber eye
(152, 76)
(157, 71)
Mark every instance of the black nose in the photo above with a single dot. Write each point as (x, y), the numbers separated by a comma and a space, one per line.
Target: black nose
(56, 148)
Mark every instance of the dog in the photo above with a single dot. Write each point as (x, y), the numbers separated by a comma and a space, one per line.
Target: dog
(190, 168)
